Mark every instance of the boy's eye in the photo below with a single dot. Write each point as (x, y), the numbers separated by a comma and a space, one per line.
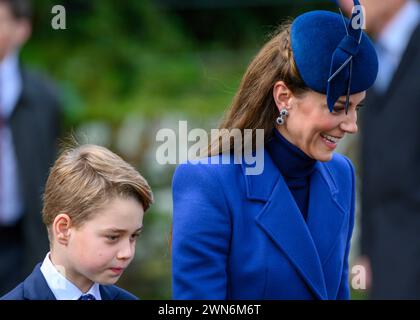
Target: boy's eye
(135, 236)
(112, 238)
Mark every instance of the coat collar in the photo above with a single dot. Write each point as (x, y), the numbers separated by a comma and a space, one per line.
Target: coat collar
(306, 244)
(107, 293)
(260, 187)
(35, 286)
(407, 60)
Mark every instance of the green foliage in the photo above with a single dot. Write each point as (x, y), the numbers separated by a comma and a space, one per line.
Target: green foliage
(118, 57)
(125, 56)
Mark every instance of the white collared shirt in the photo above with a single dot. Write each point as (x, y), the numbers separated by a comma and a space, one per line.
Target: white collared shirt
(62, 288)
(11, 203)
(393, 41)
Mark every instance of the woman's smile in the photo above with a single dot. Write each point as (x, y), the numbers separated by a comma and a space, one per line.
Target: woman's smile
(330, 141)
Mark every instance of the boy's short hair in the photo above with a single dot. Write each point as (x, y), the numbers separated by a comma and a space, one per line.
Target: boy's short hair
(84, 178)
(20, 9)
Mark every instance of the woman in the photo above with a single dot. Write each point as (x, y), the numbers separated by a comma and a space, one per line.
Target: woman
(285, 233)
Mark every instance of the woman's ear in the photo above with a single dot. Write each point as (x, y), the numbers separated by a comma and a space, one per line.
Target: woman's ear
(61, 228)
(281, 95)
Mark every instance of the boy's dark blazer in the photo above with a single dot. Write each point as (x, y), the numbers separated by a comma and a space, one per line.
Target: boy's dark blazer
(35, 287)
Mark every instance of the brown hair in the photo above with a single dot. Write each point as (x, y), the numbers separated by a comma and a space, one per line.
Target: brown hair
(84, 178)
(253, 106)
(20, 9)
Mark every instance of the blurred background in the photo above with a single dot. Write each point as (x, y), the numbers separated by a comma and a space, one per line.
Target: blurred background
(125, 69)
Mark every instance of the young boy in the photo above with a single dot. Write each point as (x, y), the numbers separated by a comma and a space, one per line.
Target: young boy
(93, 209)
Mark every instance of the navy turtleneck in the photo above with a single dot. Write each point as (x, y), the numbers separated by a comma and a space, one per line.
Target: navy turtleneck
(295, 166)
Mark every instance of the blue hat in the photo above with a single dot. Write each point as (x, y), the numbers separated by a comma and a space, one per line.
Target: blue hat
(332, 53)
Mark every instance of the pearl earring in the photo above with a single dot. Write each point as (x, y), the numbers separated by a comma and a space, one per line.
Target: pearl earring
(282, 117)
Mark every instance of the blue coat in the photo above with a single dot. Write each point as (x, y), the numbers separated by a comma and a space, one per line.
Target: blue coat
(238, 236)
(35, 287)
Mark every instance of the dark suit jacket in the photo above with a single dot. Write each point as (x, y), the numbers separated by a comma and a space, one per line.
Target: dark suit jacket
(35, 287)
(390, 140)
(34, 124)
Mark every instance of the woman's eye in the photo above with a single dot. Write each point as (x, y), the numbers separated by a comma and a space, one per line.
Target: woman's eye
(112, 238)
(338, 110)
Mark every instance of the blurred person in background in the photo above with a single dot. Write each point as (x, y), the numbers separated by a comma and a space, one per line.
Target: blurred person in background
(29, 127)
(390, 156)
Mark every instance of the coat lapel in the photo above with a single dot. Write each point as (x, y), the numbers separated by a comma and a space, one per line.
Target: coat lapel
(307, 245)
(35, 286)
(408, 58)
(107, 293)
(326, 215)
(284, 224)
